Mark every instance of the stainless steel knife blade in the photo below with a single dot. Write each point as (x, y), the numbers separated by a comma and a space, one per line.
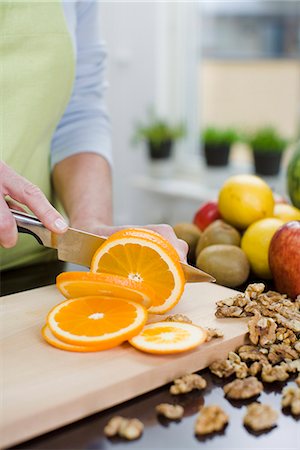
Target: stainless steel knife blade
(78, 247)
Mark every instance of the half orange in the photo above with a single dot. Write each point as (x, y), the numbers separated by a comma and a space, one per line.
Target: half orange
(147, 258)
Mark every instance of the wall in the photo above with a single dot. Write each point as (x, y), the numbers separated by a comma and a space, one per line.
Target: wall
(129, 31)
(251, 94)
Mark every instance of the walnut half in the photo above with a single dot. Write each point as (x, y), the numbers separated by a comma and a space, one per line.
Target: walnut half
(172, 412)
(210, 419)
(291, 398)
(187, 383)
(260, 417)
(129, 429)
(242, 389)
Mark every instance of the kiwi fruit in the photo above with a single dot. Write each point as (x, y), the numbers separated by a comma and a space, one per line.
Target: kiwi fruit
(227, 263)
(218, 232)
(190, 234)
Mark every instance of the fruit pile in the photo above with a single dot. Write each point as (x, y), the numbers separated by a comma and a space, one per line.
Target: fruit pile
(133, 273)
(247, 229)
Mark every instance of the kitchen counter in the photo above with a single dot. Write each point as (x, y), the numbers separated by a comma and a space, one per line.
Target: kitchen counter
(158, 433)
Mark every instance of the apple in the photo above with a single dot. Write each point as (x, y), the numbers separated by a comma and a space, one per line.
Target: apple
(284, 258)
(208, 213)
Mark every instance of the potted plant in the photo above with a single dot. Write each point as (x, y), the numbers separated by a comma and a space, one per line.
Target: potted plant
(267, 146)
(159, 136)
(217, 143)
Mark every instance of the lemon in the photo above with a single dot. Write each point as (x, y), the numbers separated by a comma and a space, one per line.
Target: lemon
(256, 242)
(286, 212)
(244, 199)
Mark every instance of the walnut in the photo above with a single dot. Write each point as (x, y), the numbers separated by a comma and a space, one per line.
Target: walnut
(213, 333)
(297, 346)
(261, 330)
(291, 366)
(240, 368)
(291, 398)
(279, 352)
(210, 419)
(269, 373)
(223, 368)
(292, 324)
(252, 353)
(255, 368)
(178, 318)
(254, 290)
(172, 412)
(125, 428)
(242, 389)
(260, 417)
(232, 306)
(229, 311)
(285, 336)
(298, 380)
(187, 383)
(238, 300)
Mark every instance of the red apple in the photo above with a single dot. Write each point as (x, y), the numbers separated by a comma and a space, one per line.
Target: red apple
(208, 213)
(284, 258)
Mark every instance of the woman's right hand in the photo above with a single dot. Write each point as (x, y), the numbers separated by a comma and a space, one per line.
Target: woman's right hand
(26, 193)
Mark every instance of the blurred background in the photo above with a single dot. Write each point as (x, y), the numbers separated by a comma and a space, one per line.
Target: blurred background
(198, 91)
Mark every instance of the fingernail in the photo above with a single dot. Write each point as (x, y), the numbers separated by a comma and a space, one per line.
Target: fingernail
(60, 224)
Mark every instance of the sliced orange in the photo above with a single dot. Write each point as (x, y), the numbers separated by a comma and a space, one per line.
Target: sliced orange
(81, 284)
(101, 322)
(146, 257)
(168, 337)
(55, 342)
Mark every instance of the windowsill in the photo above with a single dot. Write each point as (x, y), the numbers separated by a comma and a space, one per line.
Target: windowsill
(202, 183)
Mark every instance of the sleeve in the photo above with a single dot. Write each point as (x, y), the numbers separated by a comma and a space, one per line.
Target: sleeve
(85, 125)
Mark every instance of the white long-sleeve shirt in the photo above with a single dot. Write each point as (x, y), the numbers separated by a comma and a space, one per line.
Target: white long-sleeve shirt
(85, 125)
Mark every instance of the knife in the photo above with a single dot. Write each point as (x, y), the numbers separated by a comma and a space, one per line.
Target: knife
(78, 247)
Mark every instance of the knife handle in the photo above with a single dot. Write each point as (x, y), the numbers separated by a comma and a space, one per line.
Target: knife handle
(32, 225)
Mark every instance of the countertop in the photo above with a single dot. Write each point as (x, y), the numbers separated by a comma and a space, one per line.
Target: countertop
(158, 433)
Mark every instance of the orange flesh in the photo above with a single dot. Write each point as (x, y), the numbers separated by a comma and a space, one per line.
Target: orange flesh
(95, 317)
(140, 262)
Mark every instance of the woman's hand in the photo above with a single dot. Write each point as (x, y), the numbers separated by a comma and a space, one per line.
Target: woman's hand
(165, 230)
(23, 191)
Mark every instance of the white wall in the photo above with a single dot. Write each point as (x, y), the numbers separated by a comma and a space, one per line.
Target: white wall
(130, 33)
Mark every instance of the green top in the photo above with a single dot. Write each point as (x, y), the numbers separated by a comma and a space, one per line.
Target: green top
(36, 77)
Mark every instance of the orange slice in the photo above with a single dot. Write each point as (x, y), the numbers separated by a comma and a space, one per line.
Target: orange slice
(101, 322)
(168, 337)
(81, 284)
(145, 257)
(55, 342)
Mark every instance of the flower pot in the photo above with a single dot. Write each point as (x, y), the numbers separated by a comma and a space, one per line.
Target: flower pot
(161, 151)
(216, 155)
(267, 163)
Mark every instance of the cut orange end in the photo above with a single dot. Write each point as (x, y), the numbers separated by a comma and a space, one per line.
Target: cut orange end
(55, 342)
(82, 284)
(147, 258)
(102, 322)
(168, 337)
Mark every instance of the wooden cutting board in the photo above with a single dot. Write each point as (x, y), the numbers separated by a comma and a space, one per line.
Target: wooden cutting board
(44, 388)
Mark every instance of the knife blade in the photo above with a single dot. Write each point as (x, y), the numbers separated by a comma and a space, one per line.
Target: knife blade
(78, 247)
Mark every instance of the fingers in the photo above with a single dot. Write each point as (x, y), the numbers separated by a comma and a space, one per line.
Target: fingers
(167, 231)
(8, 227)
(30, 195)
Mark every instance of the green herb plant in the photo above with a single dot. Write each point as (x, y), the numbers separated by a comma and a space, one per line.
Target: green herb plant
(267, 140)
(157, 131)
(217, 137)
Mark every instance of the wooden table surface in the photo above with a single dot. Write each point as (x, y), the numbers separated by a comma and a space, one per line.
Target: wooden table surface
(158, 434)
